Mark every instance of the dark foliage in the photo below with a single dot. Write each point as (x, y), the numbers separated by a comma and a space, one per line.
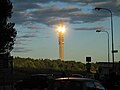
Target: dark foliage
(27, 64)
(5, 11)
(7, 30)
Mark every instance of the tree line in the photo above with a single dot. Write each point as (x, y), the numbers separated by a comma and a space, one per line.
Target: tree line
(48, 64)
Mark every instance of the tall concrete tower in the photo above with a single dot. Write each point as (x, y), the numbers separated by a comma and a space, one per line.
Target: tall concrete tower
(61, 30)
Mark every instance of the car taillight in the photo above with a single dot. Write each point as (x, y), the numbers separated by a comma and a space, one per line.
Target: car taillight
(109, 89)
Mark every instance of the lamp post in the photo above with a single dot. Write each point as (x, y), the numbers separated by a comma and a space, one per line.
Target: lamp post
(61, 30)
(108, 42)
(98, 8)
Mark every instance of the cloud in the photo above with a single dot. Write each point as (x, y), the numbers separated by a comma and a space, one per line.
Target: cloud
(89, 28)
(113, 5)
(18, 42)
(22, 39)
(49, 12)
(46, 11)
(28, 36)
(33, 27)
(43, 10)
(21, 49)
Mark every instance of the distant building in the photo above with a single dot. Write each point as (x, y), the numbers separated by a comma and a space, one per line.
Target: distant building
(105, 68)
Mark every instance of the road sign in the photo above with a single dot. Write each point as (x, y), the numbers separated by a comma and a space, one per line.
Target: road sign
(88, 59)
(115, 51)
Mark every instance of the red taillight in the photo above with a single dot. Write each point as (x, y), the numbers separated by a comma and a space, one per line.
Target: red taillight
(109, 89)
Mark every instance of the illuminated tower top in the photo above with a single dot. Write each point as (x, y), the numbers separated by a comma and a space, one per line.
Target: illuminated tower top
(61, 31)
(61, 27)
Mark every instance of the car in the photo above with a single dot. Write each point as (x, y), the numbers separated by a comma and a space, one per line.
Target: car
(36, 81)
(75, 83)
(77, 75)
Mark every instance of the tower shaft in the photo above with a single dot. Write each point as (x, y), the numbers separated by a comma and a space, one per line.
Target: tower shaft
(61, 46)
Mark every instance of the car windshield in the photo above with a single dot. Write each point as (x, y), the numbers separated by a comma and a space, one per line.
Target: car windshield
(67, 85)
(75, 85)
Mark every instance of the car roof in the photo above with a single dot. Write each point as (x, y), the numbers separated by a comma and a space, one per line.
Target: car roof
(75, 79)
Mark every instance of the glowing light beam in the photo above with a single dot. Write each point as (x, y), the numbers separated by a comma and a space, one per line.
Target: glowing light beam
(61, 28)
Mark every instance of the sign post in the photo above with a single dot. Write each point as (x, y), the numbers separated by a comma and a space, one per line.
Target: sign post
(88, 65)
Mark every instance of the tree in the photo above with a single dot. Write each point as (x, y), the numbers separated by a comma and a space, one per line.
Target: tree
(7, 30)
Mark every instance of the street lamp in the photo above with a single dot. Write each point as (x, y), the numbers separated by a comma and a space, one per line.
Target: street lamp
(61, 31)
(108, 42)
(98, 8)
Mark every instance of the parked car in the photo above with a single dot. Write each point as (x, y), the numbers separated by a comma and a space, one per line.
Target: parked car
(77, 75)
(75, 83)
(35, 82)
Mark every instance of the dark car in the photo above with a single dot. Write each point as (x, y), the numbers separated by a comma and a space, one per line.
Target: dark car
(75, 83)
(35, 82)
(77, 75)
